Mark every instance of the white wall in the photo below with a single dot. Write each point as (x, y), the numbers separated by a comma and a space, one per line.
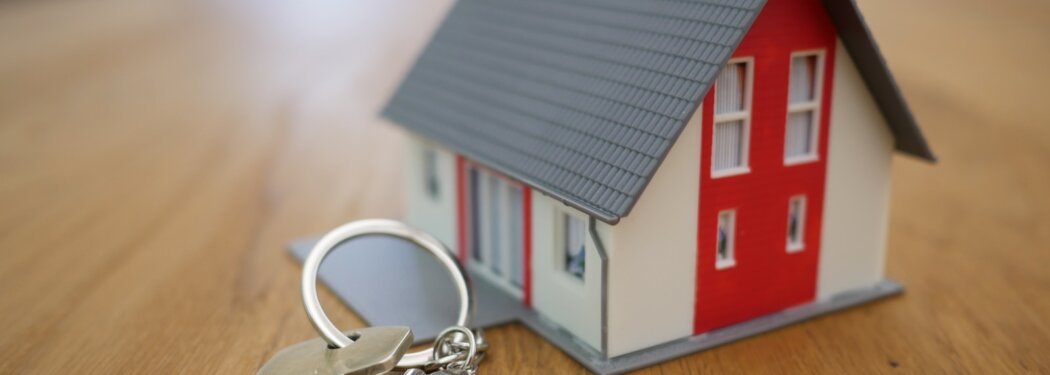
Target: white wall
(856, 210)
(652, 278)
(435, 216)
(561, 298)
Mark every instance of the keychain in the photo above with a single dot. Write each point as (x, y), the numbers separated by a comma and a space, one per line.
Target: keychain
(378, 350)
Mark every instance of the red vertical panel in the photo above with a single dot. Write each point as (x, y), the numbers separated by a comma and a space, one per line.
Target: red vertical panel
(766, 277)
(704, 255)
(527, 211)
(461, 208)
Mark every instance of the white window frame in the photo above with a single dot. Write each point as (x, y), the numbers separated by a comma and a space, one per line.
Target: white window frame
(814, 106)
(800, 245)
(486, 264)
(744, 116)
(730, 261)
(560, 239)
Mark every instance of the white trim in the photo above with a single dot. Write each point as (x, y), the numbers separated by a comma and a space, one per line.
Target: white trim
(725, 264)
(743, 116)
(803, 159)
(730, 172)
(730, 262)
(797, 246)
(814, 106)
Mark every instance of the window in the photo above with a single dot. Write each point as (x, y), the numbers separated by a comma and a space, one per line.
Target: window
(430, 173)
(732, 120)
(494, 221)
(725, 256)
(574, 234)
(496, 227)
(800, 139)
(796, 223)
(517, 236)
(474, 188)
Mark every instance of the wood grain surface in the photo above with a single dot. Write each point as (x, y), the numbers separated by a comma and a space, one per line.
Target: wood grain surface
(155, 157)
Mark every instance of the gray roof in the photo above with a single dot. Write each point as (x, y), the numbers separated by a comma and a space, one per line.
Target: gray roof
(582, 99)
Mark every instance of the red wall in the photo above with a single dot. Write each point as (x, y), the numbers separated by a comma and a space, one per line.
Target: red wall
(766, 277)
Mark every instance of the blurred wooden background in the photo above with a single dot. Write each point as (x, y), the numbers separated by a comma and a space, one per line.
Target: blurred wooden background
(155, 157)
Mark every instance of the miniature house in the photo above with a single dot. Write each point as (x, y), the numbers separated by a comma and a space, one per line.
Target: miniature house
(638, 172)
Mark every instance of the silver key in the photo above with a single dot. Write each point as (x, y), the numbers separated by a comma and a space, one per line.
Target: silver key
(374, 351)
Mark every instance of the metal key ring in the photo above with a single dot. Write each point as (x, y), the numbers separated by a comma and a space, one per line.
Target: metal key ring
(447, 336)
(337, 338)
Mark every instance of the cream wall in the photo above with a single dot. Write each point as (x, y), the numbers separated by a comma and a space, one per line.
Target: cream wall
(574, 305)
(434, 216)
(856, 209)
(652, 277)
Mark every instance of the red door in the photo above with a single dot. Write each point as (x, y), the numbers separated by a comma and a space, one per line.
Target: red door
(763, 168)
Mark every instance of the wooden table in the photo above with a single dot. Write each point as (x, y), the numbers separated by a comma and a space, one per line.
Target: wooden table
(155, 157)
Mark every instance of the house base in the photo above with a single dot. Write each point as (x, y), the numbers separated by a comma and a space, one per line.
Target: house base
(387, 281)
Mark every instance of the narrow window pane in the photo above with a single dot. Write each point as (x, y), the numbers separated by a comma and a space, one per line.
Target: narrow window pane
(430, 173)
(731, 90)
(725, 238)
(729, 137)
(803, 79)
(474, 187)
(495, 222)
(575, 253)
(793, 222)
(517, 240)
(799, 137)
(796, 222)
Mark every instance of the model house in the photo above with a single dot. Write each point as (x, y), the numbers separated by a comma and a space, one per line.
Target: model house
(638, 172)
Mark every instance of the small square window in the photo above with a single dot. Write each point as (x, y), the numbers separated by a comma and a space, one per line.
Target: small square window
(725, 242)
(574, 234)
(796, 223)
